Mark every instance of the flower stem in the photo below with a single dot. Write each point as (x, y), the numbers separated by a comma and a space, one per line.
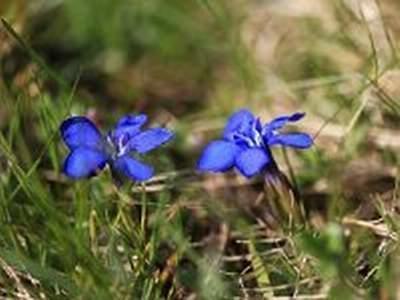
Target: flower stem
(282, 197)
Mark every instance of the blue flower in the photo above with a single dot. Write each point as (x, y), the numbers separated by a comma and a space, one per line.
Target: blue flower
(246, 142)
(91, 151)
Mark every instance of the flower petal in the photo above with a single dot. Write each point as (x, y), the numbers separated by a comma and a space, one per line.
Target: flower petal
(239, 122)
(132, 168)
(295, 140)
(252, 161)
(129, 125)
(218, 156)
(84, 162)
(150, 139)
(79, 132)
(281, 121)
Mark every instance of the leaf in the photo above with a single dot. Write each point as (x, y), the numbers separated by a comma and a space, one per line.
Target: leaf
(261, 271)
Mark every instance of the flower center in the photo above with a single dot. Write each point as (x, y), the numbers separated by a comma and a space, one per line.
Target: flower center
(252, 138)
(117, 147)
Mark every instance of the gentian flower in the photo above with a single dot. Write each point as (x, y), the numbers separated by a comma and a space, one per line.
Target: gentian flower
(246, 143)
(91, 151)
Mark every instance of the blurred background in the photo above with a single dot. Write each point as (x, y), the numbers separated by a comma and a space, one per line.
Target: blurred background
(190, 64)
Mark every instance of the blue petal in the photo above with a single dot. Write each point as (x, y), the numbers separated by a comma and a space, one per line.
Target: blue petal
(219, 156)
(80, 132)
(239, 122)
(84, 162)
(281, 121)
(252, 161)
(295, 140)
(132, 120)
(132, 168)
(129, 125)
(150, 139)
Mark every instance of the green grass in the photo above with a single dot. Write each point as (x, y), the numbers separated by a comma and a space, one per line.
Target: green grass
(184, 235)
